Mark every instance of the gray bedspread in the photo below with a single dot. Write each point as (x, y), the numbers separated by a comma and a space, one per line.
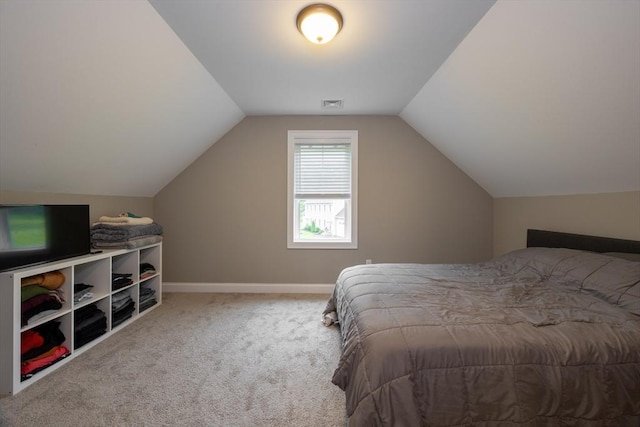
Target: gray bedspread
(536, 337)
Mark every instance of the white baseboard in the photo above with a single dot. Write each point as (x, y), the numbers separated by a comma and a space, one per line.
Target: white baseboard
(248, 288)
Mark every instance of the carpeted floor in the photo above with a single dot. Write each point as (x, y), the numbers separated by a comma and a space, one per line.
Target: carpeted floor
(198, 360)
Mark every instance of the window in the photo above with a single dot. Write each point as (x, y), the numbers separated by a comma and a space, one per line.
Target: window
(322, 191)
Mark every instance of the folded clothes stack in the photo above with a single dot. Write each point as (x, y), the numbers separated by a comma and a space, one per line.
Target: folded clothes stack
(146, 270)
(147, 294)
(90, 322)
(41, 347)
(147, 298)
(127, 231)
(120, 280)
(82, 292)
(41, 296)
(122, 308)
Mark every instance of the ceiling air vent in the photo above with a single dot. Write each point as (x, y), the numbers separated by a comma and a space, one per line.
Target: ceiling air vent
(332, 104)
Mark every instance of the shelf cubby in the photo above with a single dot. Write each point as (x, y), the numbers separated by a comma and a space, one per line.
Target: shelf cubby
(96, 274)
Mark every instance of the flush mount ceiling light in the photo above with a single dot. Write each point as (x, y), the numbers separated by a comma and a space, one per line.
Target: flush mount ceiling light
(319, 22)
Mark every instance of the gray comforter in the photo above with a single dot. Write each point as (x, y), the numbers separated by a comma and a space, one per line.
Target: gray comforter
(536, 337)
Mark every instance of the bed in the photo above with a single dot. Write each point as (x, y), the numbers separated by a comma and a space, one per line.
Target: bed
(547, 335)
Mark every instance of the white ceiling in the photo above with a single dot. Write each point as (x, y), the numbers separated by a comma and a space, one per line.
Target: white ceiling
(385, 53)
(117, 97)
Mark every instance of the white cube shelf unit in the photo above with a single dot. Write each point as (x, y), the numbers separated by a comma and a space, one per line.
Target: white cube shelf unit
(93, 269)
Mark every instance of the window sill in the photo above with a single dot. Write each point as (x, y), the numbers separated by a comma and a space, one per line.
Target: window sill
(322, 245)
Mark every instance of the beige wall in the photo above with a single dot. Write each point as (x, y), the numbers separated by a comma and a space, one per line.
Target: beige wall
(225, 216)
(609, 215)
(98, 205)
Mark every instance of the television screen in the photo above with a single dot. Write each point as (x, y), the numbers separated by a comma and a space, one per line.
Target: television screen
(32, 234)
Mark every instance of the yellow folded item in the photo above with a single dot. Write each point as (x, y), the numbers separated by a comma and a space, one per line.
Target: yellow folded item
(51, 280)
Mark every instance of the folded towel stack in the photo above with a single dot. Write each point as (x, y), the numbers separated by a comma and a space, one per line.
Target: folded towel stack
(127, 231)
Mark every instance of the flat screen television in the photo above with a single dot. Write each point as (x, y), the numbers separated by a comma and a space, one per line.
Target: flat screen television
(34, 234)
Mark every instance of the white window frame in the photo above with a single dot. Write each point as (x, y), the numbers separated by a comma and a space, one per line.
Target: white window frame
(322, 137)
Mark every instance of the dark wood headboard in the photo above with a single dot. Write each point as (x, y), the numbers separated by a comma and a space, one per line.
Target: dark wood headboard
(553, 239)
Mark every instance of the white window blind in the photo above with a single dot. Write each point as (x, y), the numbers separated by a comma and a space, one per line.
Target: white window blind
(322, 171)
(322, 189)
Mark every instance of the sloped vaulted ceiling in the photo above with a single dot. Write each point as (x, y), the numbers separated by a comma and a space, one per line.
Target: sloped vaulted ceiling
(101, 97)
(541, 98)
